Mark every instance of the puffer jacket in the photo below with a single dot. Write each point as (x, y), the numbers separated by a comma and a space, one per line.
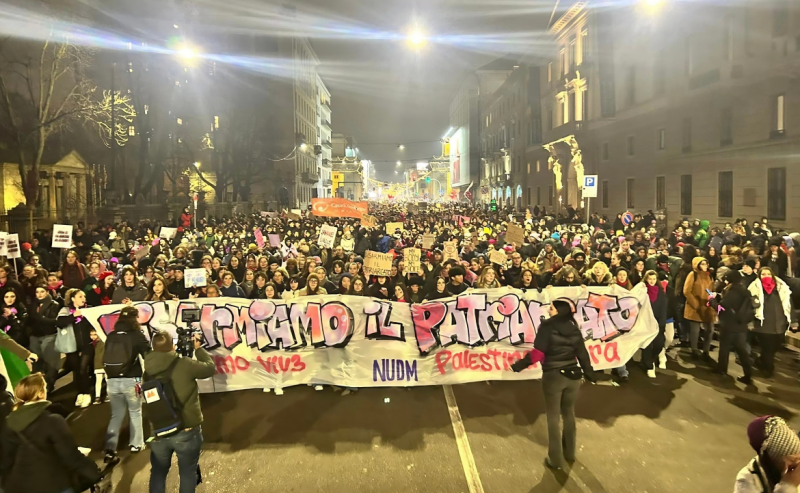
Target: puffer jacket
(694, 289)
(562, 344)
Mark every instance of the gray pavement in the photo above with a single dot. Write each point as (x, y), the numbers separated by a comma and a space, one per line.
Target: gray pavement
(682, 432)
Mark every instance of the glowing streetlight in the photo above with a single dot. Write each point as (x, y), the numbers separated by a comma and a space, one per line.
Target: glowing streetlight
(399, 163)
(416, 38)
(303, 146)
(196, 164)
(187, 52)
(653, 3)
(401, 147)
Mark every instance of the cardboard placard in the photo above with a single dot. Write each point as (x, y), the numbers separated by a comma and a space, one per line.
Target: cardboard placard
(498, 257)
(515, 234)
(327, 236)
(411, 257)
(428, 241)
(141, 252)
(167, 233)
(12, 246)
(368, 221)
(194, 277)
(392, 227)
(377, 264)
(3, 237)
(449, 251)
(293, 216)
(259, 238)
(274, 240)
(62, 236)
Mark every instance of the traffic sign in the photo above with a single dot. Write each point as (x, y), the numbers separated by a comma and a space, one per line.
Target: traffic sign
(590, 186)
(627, 218)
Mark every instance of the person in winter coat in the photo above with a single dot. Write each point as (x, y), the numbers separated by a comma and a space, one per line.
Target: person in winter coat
(701, 235)
(776, 466)
(565, 360)
(598, 275)
(14, 318)
(229, 287)
(130, 289)
(37, 450)
(347, 243)
(736, 308)
(658, 302)
(773, 314)
(775, 258)
(43, 328)
(567, 276)
(99, 369)
(73, 273)
(697, 312)
(313, 287)
(81, 360)
(186, 218)
(362, 243)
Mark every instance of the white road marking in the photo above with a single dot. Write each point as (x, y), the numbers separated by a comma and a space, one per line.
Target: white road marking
(467, 460)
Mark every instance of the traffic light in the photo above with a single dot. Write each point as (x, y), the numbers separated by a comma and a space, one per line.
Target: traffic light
(427, 179)
(493, 205)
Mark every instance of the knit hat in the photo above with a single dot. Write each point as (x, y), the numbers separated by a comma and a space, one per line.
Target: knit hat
(771, 435)
(751, 262)
(733, 276)
(112, 235)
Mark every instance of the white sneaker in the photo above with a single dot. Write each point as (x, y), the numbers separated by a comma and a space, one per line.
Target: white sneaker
(662, 364)
(267, 390)
(78, 400)
(651, 373)
(317, 387)
(86, 401)
(278, 391)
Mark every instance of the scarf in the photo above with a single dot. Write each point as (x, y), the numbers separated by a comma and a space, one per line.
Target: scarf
(622, 284)
(769, 284)
(652, 292)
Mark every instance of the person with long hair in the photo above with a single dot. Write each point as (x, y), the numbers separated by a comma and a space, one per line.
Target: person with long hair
(14, 318)
(344, 283)
(73, 272)
(527, 280)
(312, 287)
(567, 276)
(80, 361)
(598, 275)
(157, 290)
(236, 268)
(566, 361)
(658, 302)
(37, 450)
(294, 289)
(43, 314)
(697, 312)
(357, 287)
(487, 279)
(439, 291)
(773, 314)
(259, 286)
(381, 288)
(248, 283)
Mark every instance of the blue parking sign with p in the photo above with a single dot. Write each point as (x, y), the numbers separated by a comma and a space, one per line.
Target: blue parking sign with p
(589, 181)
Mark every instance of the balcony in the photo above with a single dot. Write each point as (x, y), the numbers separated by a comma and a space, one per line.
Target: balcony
(326, 123)
(327, 143)
(704, 79)
(327, 183)
(565, 130)
(326, 163)
(310, 176)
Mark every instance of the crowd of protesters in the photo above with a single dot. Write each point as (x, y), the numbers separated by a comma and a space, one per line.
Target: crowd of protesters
(736, 279)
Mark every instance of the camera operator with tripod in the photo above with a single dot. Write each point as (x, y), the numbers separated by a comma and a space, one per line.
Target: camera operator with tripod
(172, 405)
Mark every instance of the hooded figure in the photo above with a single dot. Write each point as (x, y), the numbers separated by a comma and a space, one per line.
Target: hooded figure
(701, 236)
(774, 468)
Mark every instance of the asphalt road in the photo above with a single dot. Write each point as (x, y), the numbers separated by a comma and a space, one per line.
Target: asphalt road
(682, 432)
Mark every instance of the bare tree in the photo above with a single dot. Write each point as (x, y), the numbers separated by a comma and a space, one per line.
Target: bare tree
(101, 117)
(42, 89)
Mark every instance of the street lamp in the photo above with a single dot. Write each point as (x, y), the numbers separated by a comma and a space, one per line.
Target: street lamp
(187, 52)
(416, 38)
(399, 163)
(401, 147)
(196, 164)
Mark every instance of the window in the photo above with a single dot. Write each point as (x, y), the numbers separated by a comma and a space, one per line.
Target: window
(573, 54)
(549, 164)
(550, 74)
(631, 145)
(726, 130)
(604, 193)
(780, 19)
(550, 195)
(776, 193)
(632, 85)
(565, 110)
(661, 192)
(661, 139)
(529, 172)
(605, 151)
(538, 195)
(538, 166)
(146, 108)
(687, 135)
(529, 195)
(725, 189)
(584, 45)
(630, 186)
(571, 104)
(686, 194)
(131, 130)
(563, 61)
(216, 121)
(778, 115)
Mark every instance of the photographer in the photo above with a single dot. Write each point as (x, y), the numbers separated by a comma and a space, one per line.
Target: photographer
(182, 374)
(123, 346)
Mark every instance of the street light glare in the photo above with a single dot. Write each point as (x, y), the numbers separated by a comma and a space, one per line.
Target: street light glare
(401, 147)
(653, 3)
(197, 164)
(399, 163)
(416, 37)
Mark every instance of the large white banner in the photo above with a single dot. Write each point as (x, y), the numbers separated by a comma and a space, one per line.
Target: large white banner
(363, 342)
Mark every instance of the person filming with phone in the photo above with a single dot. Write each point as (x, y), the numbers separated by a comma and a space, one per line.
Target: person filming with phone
(172, 404)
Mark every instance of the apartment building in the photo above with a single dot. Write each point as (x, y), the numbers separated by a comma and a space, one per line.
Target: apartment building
(324, 142)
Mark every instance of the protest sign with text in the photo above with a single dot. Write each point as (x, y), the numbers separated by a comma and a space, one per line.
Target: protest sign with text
(377, 264)
(327, 236)
(515, 234)
(411, 257)
(194, 278)
(357, 341)
(62, 236)
(427, 241)
(12, 246)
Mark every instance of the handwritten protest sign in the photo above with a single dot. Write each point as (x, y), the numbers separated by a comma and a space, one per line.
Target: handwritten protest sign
(368, 221)
(515, 234)
(411, 257)
(194, 277)
(167, 233)
(327, 235)
(274, 240)
(427, 241)
(62, 236)
(12, 246)
(3, 247)
(141, 252)
(450, 251)
(259, 238)
(357, 341)
(392, 227)
(498, 257)
(377, 264)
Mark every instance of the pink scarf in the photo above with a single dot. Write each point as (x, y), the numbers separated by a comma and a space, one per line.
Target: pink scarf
(769, 284)
(652, 292)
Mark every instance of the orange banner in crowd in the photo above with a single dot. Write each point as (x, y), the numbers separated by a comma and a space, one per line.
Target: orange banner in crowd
(338, 208)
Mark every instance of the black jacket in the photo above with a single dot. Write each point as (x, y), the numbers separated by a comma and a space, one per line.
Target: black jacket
(39, 454)
(42, 317)
(660, 308)
(139, 346)
(733, 302)
(562, 343)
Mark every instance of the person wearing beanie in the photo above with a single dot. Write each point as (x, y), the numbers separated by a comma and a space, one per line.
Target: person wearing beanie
(565, 361)
(775, 257)
(749, 271)
(735, 313)
(456, 285)
(776, 466)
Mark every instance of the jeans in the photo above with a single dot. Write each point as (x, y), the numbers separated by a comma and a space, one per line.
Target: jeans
(694, 335)
(186, 445)
(738, 342)
(621, 371)
(122, 393)
(559, 401)
(49, 358)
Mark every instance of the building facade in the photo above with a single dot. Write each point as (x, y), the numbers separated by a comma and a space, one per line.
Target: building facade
(324, 142)
(347, 169)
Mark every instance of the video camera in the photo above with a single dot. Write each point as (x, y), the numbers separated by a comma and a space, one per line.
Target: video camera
(185, 346)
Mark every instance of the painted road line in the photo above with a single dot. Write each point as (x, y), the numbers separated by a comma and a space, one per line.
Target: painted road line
(467, 460)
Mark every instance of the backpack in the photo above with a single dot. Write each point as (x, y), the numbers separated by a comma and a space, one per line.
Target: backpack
(118, 357)
(161, 403)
